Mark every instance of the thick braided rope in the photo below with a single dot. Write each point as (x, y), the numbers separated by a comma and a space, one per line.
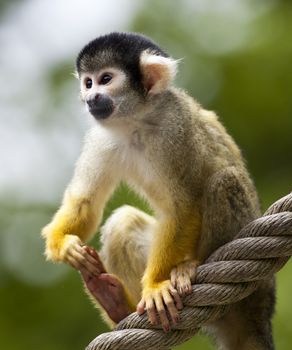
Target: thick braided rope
(230, 274)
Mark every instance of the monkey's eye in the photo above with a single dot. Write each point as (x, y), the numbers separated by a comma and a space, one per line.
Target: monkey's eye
(105, 79)
(88, 83)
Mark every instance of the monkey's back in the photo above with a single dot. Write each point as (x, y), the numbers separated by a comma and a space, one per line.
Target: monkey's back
(227, 198)
(230, 199)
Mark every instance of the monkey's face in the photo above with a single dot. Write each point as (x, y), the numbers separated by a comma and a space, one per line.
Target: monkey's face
(103, 91)
(120, 73)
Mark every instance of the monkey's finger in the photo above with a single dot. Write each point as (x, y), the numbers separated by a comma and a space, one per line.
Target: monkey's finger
(191, 269)
(177, 298)
(182, 284)
(162, 313)
(91, 251)
(188, 289)
(95, 255)
(141, 307)
(85, 275)
(173, 276)
(81, 261)
(77, 256)
(88, 253)
(80, 251)
(187, 286)
(72, 262)
(88, 258)
(169, 302)
(93, 269)
(151, 311)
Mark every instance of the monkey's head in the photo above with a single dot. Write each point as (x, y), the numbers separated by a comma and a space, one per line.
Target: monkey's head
(120, 72)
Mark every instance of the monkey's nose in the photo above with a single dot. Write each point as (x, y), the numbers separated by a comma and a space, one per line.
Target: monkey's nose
(93, 100)
(100, 106)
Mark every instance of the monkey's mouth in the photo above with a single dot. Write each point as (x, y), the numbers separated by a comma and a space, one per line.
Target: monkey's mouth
(101, 107)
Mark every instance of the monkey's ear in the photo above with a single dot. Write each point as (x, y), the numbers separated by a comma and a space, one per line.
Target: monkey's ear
(157, 71)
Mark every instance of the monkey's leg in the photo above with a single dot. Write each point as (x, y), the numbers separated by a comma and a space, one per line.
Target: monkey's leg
(230, 203)
(125, 237)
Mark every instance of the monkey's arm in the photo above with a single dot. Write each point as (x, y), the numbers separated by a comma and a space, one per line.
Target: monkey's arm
(83, 203)
(175, 239)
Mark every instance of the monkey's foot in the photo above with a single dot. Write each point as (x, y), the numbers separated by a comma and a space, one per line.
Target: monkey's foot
(158, 299)
(75, 254)
(107, 290)
(183, 275)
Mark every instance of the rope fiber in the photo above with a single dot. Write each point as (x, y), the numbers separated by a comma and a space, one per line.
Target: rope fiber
(229, 275)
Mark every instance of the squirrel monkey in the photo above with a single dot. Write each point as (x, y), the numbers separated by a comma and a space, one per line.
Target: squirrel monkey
(181, 159)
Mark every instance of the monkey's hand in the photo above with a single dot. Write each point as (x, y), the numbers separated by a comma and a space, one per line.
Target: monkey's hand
(183, 275)
(76, 255)
(160, 298)
(68, 248)
(107, 290)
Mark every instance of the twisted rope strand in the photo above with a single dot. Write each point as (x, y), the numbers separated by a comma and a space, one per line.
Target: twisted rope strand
(230, 274)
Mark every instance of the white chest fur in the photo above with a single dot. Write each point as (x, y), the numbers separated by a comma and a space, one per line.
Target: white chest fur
(136, 167)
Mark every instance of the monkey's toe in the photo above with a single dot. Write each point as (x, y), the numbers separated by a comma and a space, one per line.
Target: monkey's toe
(184, 285)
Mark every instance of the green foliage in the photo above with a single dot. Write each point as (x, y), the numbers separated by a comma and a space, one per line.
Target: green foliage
(4, 4)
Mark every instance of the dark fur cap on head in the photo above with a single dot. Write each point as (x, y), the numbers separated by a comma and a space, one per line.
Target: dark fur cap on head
(121, 50)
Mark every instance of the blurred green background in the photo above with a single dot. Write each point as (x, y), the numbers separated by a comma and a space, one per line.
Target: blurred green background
(237, 60)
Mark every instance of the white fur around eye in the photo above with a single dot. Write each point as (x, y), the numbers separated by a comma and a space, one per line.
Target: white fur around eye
(118, 78)
(117, 82)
